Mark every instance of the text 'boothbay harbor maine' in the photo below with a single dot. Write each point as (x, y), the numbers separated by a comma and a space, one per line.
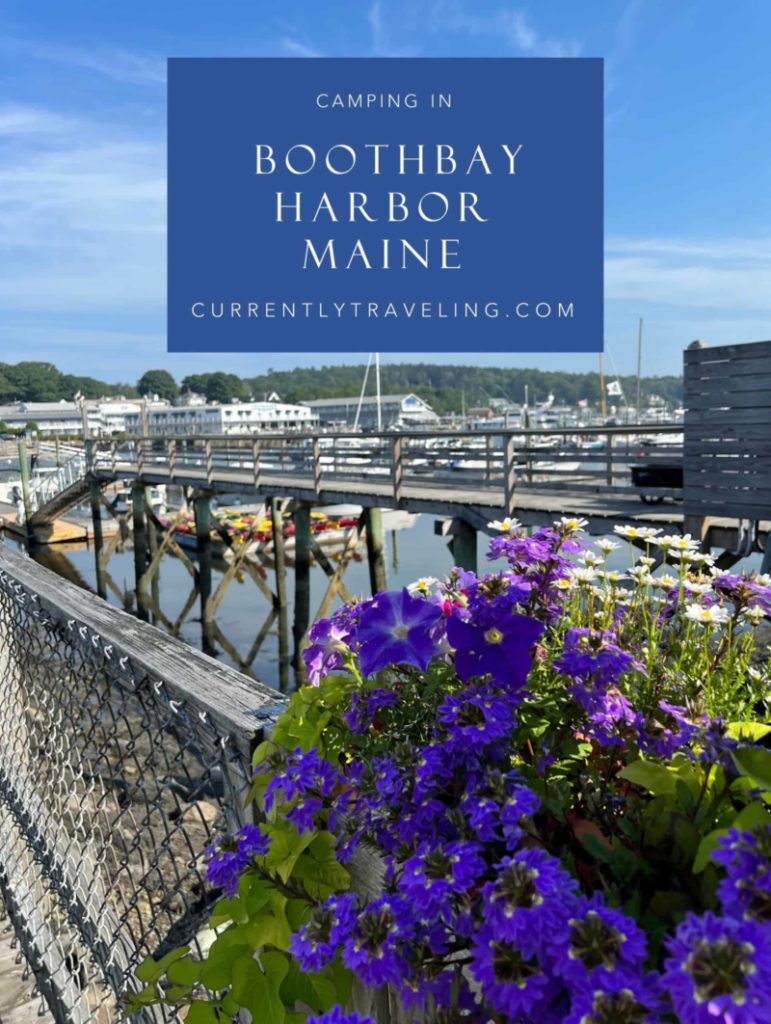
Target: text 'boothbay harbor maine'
(193, 562)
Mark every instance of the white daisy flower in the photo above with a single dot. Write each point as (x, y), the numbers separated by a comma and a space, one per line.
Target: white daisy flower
(590, 558)
(613, 576)
(697, 588)
(569, 525)
(606, 545)
(636, 532)
(712, 615)
(583, 574)
(422, 586)
(506, 525)
(665, 582)
(755, 615)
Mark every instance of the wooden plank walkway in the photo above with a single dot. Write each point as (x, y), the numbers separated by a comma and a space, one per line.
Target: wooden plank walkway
(433, 497)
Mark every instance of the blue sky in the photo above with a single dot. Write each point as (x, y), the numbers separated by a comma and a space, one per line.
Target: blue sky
(82, 160)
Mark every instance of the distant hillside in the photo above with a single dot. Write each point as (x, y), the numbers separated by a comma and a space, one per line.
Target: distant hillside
(446, 388)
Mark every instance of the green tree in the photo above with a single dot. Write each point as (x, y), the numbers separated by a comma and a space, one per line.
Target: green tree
(224, 387)
(35, 382)
(158, 382)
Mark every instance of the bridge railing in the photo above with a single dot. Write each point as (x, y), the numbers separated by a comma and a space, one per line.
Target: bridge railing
(589, 460)
(45, 485)
(123, 752)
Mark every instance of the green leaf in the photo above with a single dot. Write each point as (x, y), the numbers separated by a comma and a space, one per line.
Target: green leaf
(258, 992)
(651, 776)
(217, 971)
(152, 970)
(334, 984)
(755, 762)
(286, 845)
(750, 732)
(134, 1001)
(685, 796)
(201, 1012)
(598, 849)
(318, 869)
(298, 987)
(185, 971)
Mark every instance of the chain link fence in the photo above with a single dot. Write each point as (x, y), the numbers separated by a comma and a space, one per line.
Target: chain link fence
(123, 752)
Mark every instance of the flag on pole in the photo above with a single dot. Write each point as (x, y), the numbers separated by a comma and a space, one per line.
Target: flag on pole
(613, 387)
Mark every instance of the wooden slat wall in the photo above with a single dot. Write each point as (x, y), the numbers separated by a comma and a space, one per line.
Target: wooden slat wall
(727, 449)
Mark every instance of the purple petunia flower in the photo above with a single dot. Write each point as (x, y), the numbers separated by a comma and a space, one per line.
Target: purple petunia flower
(393, 630)
(501, 651)
(326, 650)
(719, 970)
(229, 856)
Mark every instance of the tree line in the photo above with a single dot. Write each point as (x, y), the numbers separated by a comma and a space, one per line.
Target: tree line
(446, 388)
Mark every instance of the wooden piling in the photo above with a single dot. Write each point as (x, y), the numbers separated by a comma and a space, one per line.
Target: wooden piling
(202, 513)
(279, 561)
(140, 547)
(96, 518)
(25, 494)
(302, 586)
(373, 524)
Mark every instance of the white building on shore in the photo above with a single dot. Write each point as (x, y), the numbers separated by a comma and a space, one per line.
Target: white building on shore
(233, 418)
(406, 411)
(110, 418)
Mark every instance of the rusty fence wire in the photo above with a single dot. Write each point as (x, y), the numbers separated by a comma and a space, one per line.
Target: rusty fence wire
(122, 753)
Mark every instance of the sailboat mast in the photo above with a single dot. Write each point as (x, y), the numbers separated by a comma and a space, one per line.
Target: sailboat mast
(639, 365)
(361, 396)
(602, 385)
(377, 392)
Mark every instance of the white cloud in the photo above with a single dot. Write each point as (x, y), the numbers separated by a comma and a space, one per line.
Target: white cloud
(511, 24)
(707, 274)
(120, 65)
(82, 214)
(296, 48)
